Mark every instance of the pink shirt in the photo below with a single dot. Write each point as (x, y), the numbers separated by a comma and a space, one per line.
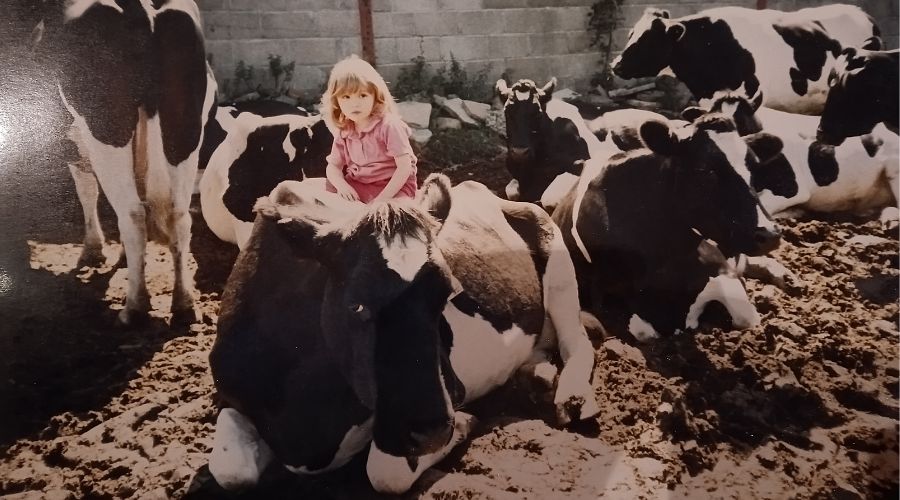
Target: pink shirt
(367, 156)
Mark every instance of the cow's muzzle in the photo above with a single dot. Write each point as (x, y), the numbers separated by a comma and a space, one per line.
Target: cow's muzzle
(519, 153)
(828, 137)
(766, 240)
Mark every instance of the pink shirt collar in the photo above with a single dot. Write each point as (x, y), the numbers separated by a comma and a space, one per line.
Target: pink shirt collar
(351, 131)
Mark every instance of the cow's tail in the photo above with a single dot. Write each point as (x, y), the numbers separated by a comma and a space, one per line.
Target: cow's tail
(142, 178)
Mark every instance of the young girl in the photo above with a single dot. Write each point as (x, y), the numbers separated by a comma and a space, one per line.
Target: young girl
(371, 159)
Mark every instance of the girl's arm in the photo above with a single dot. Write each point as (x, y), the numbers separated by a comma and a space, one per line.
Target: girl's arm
(404, 169)
(335, 175)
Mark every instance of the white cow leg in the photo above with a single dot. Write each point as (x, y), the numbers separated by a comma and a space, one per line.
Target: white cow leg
(114, 169)
(396, 475)
(574, 394)
(183, 312)
(88, 192)
(239, 455)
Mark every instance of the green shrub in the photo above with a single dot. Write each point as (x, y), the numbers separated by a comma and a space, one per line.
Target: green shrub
(603, 19)
(419, 80)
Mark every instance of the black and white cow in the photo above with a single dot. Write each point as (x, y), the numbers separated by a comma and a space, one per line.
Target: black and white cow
(547, 142)
(788, 55)
(260, 145)
(133, 76)
(623, 126)
(859, 175)
(862, 93)
(344, 323)
(637, 227)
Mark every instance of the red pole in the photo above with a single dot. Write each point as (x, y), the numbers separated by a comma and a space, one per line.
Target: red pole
(366, 30)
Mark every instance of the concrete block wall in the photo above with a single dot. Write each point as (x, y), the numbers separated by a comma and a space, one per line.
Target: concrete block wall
(528, 38)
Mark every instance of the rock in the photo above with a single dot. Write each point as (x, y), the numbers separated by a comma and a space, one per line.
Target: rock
(624, 92)
(416, 114)
(636, 103)
(566, 94)
(252, 96)
(676, 94)
(864, 240)
(288, 100)
(421, 136)
(477, 110)
(444, 123)
(455, 108)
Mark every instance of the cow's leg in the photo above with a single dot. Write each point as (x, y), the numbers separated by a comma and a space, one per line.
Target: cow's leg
(170, 188)
(239, 455)
(395, 475)
(113, 167)
(88, 192)
(574, 394)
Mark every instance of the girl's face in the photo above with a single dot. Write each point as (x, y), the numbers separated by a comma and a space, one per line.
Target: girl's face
(357, 106)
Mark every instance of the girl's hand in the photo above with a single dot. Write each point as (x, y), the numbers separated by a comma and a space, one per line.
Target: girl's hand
(347, 192)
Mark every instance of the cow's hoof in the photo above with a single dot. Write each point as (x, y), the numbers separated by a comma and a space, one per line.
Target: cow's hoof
(463, 424)
(91, 256)
(185, 316)
(890, 220)
(130, 318)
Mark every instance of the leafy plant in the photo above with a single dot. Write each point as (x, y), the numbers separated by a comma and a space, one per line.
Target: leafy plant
(243, 76)
(418, 80)
(603, 19)
(281, 74)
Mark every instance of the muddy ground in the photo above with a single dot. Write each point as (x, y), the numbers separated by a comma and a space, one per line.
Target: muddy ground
(803, 406)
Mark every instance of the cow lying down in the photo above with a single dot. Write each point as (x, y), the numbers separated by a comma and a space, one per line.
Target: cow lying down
(654, 233)
(259, 145)
(857, 176)
(344, 324)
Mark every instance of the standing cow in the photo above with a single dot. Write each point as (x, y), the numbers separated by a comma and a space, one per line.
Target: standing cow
(260, 145)
(547, 142)
(344, 323)
(788, 55)
(642, 226)
(133, 77)
(862, 93)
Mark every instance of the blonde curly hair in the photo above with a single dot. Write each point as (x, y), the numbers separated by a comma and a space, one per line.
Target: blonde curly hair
(349, 76)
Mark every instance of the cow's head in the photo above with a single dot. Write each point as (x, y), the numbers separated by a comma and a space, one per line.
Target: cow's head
(862, 93)
(649, 46)
(381, 313)
(734, 104)
(539, 147)
(709, 178)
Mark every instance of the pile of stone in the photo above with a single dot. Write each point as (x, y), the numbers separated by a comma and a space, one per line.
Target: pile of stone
(445, 113)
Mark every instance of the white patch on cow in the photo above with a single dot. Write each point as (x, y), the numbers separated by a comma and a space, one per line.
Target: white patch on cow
(512, 190)
(289, 147)
(405, 256)
(77, 8)
(730, 292)
(559, 188)
(735, 150)
(239, 455)
(354, 441)
(522, 96)
(482, 357)
(641, 330)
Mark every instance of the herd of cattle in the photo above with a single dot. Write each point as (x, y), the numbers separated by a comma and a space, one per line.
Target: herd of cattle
(344, 324)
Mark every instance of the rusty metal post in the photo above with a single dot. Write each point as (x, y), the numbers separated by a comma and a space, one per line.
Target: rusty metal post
(366, 31)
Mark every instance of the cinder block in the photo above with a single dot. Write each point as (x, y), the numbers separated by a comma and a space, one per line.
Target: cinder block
(560, 3)
(465, 48)
(414, 5)
(348, 46)
(231, 25)
(572, 18)
(578, 41)
(258, 5)
(482, 22)
(220, 56)
(288, 24)
(460, 4)
(515, 45)
(315, 5)
(337, 23)
(410, 47)
(436, 23)
(381, 5)
(386, 50)
(393, 24)
(206, 5)
(549, 43)
(314, 50)
(505, 4)
(525, 21)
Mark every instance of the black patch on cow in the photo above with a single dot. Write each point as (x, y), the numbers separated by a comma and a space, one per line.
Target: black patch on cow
(213, 136)
(313, 162)
(412, 463)
(777, 175)
(267, 108)
(811, 45)
(627, 139)
(468, 306)
(703, 42)
(182, 84)
(822, 163)
(108, 68)
(454, 386)
(871, 144)
(259, 168)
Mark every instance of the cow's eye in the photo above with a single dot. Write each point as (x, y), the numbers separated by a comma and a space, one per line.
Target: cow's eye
(361, 312)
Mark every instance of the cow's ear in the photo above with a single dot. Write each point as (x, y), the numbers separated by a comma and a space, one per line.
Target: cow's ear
(765, 146)
(872, 43)
(546, 92)
(691, 113)
(300, 139)
(659, 137)
(663, 13)
(756, 100)
(434, 196)
(503, 88)
(675, 31)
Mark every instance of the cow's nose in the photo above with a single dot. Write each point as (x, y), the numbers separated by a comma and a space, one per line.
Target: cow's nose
(766, 239)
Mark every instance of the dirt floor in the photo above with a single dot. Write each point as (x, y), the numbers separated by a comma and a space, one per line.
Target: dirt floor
(803, 406)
